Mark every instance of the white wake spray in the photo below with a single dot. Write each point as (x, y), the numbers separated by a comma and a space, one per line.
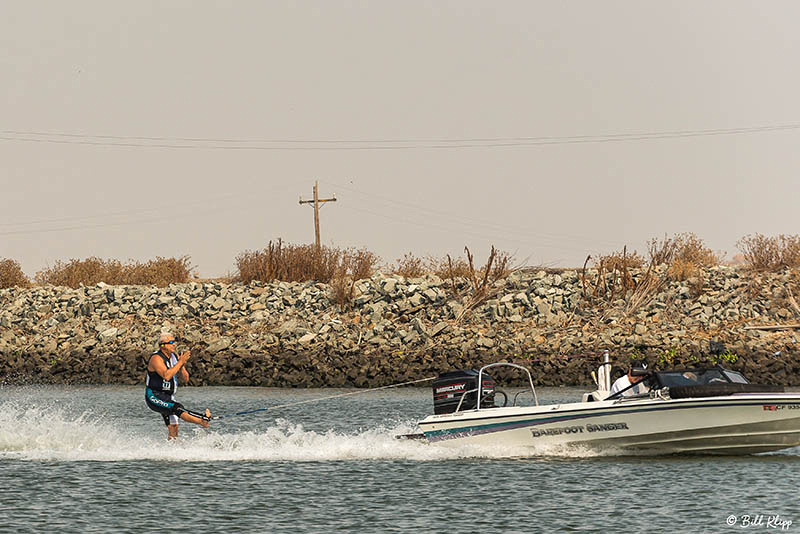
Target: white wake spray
(52, 433)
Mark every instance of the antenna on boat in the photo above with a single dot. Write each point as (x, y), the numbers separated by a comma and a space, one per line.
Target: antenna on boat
(602, 379)
(604, 373)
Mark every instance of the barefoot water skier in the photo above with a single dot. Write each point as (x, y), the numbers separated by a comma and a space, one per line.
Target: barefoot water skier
(163, 371)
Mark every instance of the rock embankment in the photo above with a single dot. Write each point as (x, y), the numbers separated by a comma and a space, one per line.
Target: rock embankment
(295, 334)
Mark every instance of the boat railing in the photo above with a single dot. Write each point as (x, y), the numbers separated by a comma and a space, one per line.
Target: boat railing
(463, 396)
(501, 364)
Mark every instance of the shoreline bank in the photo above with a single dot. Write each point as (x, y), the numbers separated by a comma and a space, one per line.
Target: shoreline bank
(295, 335)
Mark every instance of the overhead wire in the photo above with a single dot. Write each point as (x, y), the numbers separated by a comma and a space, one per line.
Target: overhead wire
(176, 214)
(200, 143)
(461, 231)
(461, 219)
(125, 212)
(163, 218)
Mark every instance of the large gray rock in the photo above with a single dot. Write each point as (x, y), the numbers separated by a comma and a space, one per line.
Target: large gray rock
(438, 328)
(307, 338)
(108, 334)
(416, 300)
(389, 286)
(218, 345)
(543, 308)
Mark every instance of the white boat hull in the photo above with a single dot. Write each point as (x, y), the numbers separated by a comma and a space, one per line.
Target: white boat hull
(734, 424)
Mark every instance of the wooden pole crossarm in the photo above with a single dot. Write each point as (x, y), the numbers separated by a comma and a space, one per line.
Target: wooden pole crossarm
(316, 202)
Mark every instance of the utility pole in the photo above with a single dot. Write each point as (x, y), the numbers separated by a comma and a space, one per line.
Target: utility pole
(317, 201)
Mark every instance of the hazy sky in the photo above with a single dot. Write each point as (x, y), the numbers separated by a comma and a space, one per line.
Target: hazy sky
(217, 116)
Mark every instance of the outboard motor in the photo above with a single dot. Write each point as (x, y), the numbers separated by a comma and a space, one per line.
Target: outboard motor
(450, 387)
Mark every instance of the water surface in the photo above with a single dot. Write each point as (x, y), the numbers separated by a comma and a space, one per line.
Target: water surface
(95, 459)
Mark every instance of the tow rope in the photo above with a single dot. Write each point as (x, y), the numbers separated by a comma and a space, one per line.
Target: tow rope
(359, 392)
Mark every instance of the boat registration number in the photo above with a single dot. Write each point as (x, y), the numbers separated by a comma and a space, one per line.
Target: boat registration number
(776, 407)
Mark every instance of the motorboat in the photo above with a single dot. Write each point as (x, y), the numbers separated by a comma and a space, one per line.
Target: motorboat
(706, 410)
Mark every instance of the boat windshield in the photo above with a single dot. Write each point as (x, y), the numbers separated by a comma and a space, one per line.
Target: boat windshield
(735, 377)
(698, 377)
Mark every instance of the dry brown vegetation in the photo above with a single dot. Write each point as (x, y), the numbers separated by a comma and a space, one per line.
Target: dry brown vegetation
(299, 263)
(498, 266)
(354, 265)
(409, 266)
(74, 273)
(614, 281)
(446, 268)
(11, 274)
(684, 249)
(770, 253)
(681, 270)
(613, 276)
(288, 263)
(450, 268)
(482, 281)
(685, 256)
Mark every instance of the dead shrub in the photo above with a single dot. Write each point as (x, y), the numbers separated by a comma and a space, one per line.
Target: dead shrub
(482, 281)
(692, 249)
(662, 252)
(765, 253)
(645, 289)
(75, 272)
(410, 266)
(761, 253)
(790, 251)
(288, 263)
(160, 272)
(449, 268)
(361, 263)
(615, 281)
(11, 274)
(341, 268)
(619, 261)
(614, 276)
(501, 267)
(354, 265)
(681, 270)
(684, 248)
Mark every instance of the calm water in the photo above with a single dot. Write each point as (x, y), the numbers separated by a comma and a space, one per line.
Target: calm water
(95, 459)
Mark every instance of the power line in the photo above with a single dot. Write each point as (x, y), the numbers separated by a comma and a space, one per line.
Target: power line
(462, 231)
(708, 131)
(177, 213)
(190, 143)
(149, 220)
(491, 226)
(126, 212)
